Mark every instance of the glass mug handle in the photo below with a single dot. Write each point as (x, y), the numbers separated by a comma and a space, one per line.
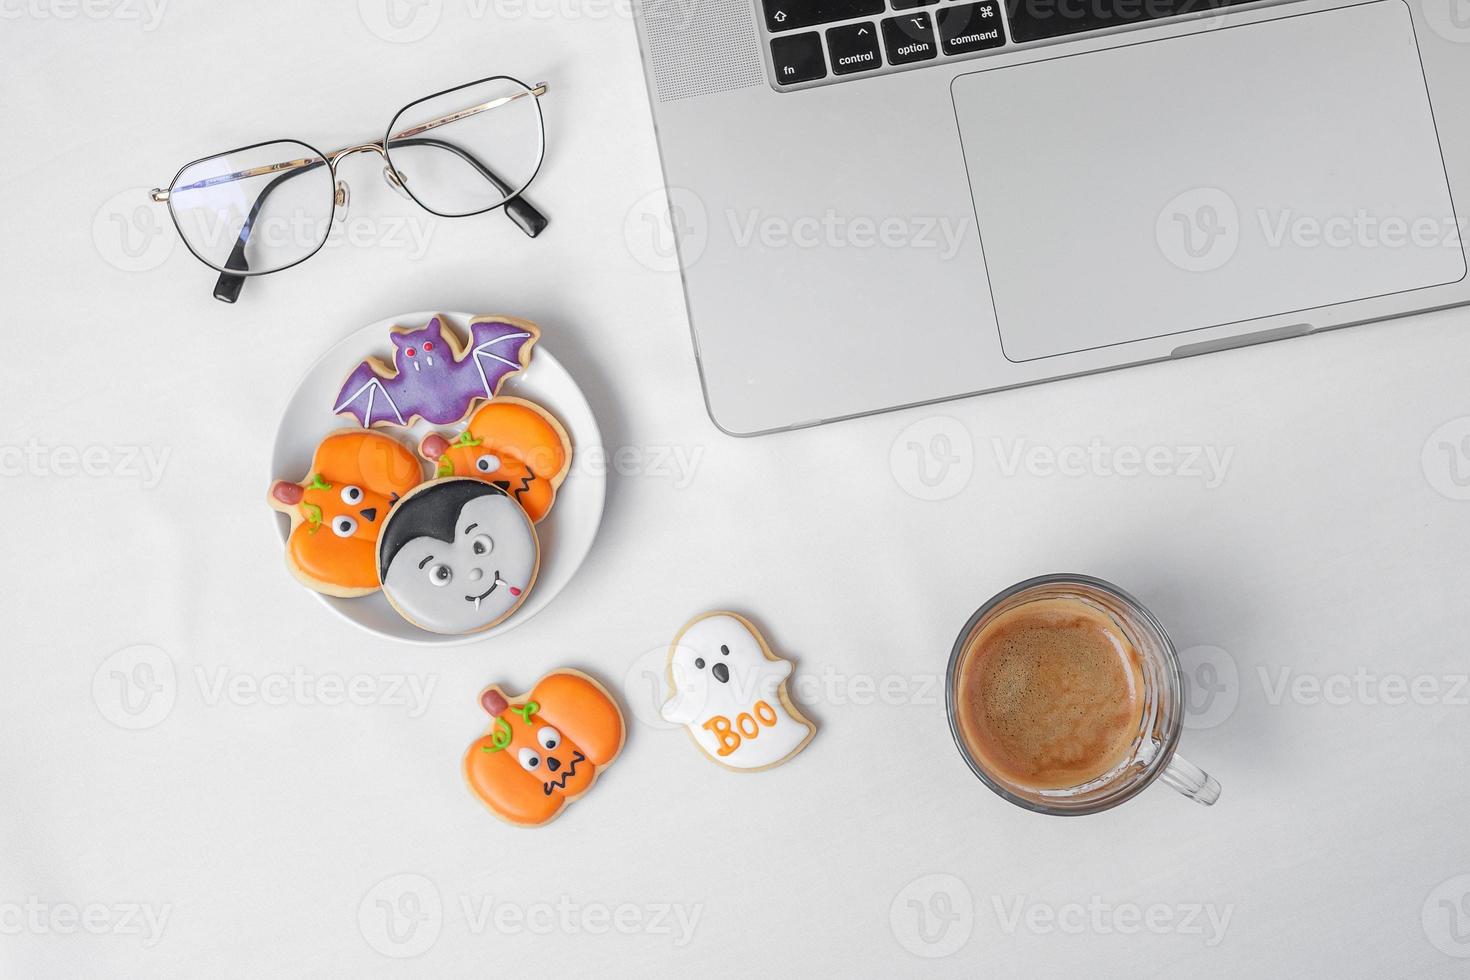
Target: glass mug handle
(1191, 780)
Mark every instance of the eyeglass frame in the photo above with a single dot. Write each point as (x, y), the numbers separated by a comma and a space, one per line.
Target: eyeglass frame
(520, 211)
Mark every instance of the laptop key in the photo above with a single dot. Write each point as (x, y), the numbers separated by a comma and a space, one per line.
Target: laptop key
(910, 4)
(798, 58)
(788, 15)
(970, 27)
(909, 38)
(1037, 20)
(853, 47)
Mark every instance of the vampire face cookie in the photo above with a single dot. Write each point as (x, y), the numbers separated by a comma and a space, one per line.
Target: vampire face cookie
(435, 375)
(512, 443)
(544, 748)
(338, 510)
(730, 694)
(457, 556)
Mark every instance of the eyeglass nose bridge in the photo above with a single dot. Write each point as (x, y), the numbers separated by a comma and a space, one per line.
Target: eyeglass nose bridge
(395, 178)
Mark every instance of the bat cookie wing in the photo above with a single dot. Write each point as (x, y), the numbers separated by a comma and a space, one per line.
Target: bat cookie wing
(499, 347)
(366, 398)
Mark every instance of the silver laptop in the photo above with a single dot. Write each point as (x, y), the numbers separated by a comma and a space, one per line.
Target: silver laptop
(882, 203)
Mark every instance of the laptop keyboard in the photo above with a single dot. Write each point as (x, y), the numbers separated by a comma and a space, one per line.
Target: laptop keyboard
(900, 33)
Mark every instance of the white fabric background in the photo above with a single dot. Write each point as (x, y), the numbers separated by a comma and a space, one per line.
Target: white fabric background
(268, 827)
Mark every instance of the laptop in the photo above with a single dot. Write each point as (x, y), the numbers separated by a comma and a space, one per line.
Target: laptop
(885, 203)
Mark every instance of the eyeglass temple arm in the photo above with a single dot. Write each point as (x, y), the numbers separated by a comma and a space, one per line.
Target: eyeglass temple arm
(536, 92)
(160, 195)
(227, 287)
(520, 211)
(517, 209)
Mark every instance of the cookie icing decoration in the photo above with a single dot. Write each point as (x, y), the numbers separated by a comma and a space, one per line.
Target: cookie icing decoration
(512, 443)
(544, 748)
(436, 375)
(457, 555)
(338, 510)
(730, 694)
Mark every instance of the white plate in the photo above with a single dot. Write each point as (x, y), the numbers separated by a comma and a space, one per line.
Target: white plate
(565, 534)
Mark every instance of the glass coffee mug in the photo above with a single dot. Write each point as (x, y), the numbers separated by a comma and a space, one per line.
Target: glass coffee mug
(1065, 696)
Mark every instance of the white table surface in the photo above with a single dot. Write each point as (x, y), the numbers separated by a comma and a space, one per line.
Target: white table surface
(247, 828)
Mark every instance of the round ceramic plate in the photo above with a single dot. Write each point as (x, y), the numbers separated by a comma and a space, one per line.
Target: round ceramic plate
(565, 534)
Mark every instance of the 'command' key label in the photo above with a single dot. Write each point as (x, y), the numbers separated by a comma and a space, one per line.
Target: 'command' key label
(971, 27)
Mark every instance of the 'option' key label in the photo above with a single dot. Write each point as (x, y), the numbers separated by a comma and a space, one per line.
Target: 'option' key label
(909, 38)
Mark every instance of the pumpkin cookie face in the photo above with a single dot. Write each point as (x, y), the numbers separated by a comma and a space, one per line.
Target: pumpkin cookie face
(512, 443)
(544, 748)
(457, 556)
(338, 511)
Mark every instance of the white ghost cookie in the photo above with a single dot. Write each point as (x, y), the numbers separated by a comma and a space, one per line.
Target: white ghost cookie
(730, 693)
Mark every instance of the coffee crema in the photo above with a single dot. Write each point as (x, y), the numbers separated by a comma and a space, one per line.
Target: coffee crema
(1050, 694)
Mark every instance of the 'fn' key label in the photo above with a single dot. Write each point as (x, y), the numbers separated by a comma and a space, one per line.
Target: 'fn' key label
(798, 58)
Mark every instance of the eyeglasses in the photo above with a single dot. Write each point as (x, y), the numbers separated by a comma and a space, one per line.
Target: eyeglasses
(266, 207)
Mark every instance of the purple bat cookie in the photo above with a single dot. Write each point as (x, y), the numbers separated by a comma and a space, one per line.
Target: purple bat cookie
(434, 376)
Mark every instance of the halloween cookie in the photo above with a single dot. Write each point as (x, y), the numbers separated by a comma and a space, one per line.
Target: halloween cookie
(338, 510)
(730, 694)
(457, 555)
(544, 748)
(436, 375)
(511, 443)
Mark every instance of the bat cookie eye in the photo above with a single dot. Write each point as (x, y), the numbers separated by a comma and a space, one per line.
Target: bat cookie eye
(482, 544)
(428, 345)
(529, 760)
(441, 574)
(549, 737)
(488, 463)
(351, 494)
(343, 526)
(409, 352)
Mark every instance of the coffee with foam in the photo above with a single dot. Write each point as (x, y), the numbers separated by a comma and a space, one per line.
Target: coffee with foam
(1050, 694)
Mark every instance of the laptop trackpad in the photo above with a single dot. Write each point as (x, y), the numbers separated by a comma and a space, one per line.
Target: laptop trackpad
(1209, 179)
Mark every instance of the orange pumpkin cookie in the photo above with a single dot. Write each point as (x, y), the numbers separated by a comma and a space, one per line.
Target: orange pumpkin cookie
(338, 509)
(513, 444)
(544, 748)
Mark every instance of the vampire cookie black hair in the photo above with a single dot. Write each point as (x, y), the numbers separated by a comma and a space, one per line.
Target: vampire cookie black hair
(430, 511)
